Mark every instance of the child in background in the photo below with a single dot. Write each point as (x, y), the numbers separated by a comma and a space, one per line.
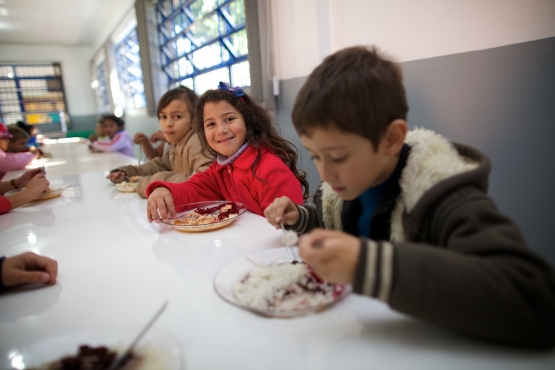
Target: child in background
(254, 165)
(119, 140)
(185, 158)
(18, 141)
(146, 144)
(406, 215)
(11, 161)
(34, 183)
(32, 131)
(98, 133)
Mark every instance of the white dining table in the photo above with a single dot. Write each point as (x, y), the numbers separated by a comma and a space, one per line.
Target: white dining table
(116, 269)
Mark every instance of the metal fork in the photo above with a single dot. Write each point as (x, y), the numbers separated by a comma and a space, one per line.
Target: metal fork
(289, 245)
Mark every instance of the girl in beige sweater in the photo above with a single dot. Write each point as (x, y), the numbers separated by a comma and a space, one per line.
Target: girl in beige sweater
(184, 158)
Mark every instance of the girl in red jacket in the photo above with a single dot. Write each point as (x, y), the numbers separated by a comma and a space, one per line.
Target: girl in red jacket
(254, 165)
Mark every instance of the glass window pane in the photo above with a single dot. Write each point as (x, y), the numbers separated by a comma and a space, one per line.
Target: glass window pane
(206, 34)
(235, 12)
(210, 80)
(129, 73)
(200, 8)
(188, 83)
(205, 30)
(208, 56)
(240, 74)
(238, 43)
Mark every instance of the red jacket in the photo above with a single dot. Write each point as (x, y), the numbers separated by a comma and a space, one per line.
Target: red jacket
(5, 205)
(236, 182)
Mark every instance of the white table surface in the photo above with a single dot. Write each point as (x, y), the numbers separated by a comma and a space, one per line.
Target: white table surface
(117, 269)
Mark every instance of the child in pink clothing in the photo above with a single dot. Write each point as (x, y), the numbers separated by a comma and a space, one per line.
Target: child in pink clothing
(119, 141)
(11, 161)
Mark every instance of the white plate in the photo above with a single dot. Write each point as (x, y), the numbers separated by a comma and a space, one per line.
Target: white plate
(128, 187)
(55, 191)
(233, 272)
(163, 349)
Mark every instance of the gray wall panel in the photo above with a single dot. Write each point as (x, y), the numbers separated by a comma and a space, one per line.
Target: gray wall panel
(501, 101)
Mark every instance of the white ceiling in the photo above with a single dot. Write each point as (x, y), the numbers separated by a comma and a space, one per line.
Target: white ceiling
(58, 22)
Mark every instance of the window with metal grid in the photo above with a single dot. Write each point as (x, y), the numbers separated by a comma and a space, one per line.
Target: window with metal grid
(101, 89)
(32, 93)
(203, 42)
(130, 73)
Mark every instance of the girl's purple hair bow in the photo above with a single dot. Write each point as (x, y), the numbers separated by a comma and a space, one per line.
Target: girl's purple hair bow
(236, 90)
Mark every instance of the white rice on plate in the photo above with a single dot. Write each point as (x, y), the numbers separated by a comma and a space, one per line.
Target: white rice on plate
(284, 287)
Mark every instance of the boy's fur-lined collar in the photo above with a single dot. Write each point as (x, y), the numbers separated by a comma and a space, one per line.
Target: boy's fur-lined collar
(432, 160)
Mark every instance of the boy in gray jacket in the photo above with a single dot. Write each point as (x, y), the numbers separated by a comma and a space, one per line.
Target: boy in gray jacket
(404, 216)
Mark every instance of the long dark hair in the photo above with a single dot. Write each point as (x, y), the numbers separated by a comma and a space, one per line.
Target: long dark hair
(261, 132)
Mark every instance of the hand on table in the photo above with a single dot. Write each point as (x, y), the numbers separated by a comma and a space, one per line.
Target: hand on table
(116, 177)
(29, 268)
(333, 255)
(139, 136)
(160, 205)
(281, 210)
(93, 138)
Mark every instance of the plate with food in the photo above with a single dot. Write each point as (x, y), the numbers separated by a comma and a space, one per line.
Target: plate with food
(267, 284)
(206, 216)
(97, 348)
(129, 185)
(55, 190)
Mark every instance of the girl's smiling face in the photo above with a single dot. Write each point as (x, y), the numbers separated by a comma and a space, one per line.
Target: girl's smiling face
(224, 127)
(175, 120)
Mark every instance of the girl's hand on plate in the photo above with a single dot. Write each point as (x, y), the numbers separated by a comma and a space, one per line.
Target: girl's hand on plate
(160, 205)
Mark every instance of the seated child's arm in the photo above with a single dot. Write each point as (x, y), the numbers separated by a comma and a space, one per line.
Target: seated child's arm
(147, 169)
(15, 161)
(282, 210)
(298, 218)
(118, 143)
(199, 187)
(472, 273)
(19, 182)
(33, 190)
(142, 140)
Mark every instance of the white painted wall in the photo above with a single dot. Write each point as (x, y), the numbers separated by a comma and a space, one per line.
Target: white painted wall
(74, 62)
(405, 29)
(295, 37)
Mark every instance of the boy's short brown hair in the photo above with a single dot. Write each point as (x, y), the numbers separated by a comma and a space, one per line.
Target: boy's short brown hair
(356, 90)
(17, 133)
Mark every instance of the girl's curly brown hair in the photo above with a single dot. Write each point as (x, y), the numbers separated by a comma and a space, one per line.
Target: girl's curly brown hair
(261, 132)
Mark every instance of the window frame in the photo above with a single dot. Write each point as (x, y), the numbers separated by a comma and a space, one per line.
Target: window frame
(165, 40)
